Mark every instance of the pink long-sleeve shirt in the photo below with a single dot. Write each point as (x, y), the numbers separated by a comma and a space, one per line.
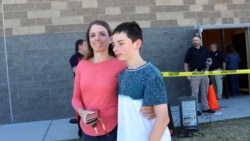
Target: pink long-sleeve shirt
(95, 88)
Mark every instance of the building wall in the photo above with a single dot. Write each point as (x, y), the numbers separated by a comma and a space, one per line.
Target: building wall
(22, 17)
(37, 38)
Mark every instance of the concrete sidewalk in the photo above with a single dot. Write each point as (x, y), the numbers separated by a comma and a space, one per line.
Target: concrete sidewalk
(61, 129)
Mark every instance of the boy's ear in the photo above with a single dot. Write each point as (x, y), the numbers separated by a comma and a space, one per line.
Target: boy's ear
(138, 43)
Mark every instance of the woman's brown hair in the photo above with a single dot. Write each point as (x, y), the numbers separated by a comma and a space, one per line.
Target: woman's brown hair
(90, 52)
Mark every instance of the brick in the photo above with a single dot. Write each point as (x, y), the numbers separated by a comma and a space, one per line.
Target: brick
(144, 24)
(89, 3)
(112, 10)
(215, 14)
(208, 7)
(244, 20)
(188, 15)
(97, 11)
(240, 13)
(43, 14)
(28, 30)
(169, 15)
(90, 18)
(238, 1)
(244, 6)
(19, 7)
(110, 18)
(225, 14)
(27, 22)
(233, 7)
(156, 9)
(177, 8)
(52, 28)
(141, 17)
(105, 3)
(28, 1)
(74, 4)
(42, 6)
(67, 20)
(16, 15)
(68, 28)
(113, 24)
(124, 3)
(8, 32)
(188, 2)
(148, 2)
(135, 2)
(75, 12)
(236, 20)
(203, 15)
(55, 5)
(164, 23)
(247, 20)
(220, 7)
(226, 1)
(169, 2)
(196, 8)
(201, 2)
(16, 2)
(227, 20)
(186, 22)
(126, 10)
(43, 21)
(142, 9)
(11, 23)
(82, 27)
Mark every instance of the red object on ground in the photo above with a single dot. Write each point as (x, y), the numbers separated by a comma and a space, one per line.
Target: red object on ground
(212, 98)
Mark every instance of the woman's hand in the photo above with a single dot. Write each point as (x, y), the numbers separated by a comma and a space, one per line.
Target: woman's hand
(83, 114)
(148, 112)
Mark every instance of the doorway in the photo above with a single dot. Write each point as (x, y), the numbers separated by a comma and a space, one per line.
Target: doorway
(239, 39)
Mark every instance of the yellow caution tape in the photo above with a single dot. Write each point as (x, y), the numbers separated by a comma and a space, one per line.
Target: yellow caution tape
(202, 73)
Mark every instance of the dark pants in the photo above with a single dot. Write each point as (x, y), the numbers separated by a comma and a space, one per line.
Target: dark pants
(79, 127)
(112, 136)
(234, 83)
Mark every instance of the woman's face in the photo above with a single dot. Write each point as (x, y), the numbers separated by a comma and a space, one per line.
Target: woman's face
(99, 38)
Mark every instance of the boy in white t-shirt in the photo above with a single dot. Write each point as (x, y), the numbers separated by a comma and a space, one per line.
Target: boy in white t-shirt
(141, 84)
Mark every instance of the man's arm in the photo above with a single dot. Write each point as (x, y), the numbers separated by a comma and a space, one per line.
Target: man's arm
(186, 68)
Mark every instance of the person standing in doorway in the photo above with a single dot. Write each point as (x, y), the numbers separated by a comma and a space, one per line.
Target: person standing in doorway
(80, 50)
(232, 62)
(219, 63)
(198, 59)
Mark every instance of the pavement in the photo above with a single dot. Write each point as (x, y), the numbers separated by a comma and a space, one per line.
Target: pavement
(62, 130)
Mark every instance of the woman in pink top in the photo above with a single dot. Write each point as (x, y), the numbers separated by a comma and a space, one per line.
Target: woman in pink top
(95, 84)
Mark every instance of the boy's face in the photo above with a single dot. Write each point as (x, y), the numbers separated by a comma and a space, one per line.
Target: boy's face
(123, 46)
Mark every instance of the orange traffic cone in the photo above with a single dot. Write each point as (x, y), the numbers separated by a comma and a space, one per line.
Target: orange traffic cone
(211, 98)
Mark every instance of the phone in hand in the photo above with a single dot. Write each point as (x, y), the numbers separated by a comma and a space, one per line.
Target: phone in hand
(92, 117)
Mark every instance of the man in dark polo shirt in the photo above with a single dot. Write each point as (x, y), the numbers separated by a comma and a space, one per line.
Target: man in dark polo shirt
(80, 49)
(219, 63)
(198, 59)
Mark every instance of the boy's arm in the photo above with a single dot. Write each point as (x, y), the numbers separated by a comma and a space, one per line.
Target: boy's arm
(161, 122)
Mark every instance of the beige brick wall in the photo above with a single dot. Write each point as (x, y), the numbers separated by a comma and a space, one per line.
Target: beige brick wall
(22, 17)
